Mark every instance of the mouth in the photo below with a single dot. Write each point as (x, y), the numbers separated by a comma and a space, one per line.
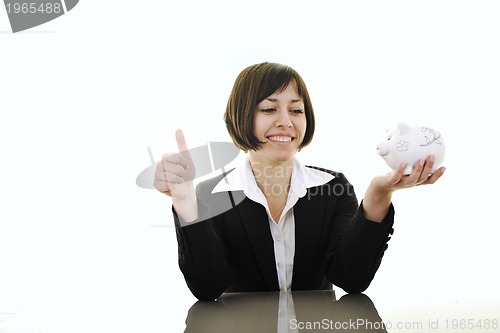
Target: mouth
(280, 138)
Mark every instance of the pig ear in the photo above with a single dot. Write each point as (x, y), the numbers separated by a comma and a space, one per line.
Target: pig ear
(403, 128)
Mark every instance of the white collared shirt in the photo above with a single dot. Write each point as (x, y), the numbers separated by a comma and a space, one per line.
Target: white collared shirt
(283, 232)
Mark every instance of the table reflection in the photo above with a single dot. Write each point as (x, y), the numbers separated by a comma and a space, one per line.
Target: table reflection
(285, 312)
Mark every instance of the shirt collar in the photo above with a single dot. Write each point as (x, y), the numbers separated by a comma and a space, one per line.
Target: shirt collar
(242, 179)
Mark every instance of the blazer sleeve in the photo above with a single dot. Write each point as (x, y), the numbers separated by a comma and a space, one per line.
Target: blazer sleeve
(356, 244)
(202, 254)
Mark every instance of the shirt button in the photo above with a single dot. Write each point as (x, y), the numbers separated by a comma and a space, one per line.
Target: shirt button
(278, 238)
(280, 265)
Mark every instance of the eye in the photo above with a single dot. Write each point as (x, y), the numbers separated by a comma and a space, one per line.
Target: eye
(297, 111)
(268, 110)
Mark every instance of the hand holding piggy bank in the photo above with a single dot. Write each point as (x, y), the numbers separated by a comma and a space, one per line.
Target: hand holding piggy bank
(410, 144)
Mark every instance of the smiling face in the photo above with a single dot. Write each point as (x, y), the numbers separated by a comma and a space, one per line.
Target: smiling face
(262, 98)
(279, 122)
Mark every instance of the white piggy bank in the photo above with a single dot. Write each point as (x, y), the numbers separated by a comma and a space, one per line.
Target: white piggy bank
(409, 144)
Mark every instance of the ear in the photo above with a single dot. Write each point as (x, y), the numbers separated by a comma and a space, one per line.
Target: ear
(403, 128)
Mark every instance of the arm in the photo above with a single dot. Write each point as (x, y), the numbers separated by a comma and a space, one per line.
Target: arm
(379, 194)
(202, 253)
(202, 260)
(355, 245)
(201, 249)
(354, 262)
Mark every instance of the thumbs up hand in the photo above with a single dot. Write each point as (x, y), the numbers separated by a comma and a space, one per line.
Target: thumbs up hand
(175, 172)
(174, 177)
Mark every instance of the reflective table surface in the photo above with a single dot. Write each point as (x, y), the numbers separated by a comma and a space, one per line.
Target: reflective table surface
(136, 286)
(283, 312)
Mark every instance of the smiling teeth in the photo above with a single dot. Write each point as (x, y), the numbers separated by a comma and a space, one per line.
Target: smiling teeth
(280, 138)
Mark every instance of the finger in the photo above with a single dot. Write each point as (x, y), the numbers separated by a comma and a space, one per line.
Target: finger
(164, 181)
(159, 181)
(163, 168)
(174, 159)
(172, 178)
(435, 176)
(398, 174)
(176, 168)
(427, 169)
(181, 141)
(161, 186)
(414, 176)
(181, 144)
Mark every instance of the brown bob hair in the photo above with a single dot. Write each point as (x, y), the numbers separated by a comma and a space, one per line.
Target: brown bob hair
(254, 84)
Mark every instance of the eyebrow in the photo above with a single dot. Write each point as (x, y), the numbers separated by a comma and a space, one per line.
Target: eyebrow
(275, 100)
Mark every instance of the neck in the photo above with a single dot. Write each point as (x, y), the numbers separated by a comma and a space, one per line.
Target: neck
(273, 178)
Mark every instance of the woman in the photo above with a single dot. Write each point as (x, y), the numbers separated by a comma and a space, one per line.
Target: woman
(288, 226)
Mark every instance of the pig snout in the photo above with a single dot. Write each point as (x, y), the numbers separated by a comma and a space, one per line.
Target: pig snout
(382, 149)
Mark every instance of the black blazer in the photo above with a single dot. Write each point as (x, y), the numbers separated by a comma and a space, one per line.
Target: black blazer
(230, 247)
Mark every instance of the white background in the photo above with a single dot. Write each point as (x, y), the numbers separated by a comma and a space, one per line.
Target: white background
(83, 249)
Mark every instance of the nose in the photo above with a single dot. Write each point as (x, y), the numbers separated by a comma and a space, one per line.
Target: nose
(283, 119)
(382, 149)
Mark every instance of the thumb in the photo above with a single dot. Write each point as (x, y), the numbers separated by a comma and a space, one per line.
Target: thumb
(183, 149)
(181, 141)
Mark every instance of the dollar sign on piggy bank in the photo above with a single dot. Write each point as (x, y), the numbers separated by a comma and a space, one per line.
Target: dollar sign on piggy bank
(409, 144)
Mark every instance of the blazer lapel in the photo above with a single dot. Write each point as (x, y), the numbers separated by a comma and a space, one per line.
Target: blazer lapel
(308, 213)
(256, 224)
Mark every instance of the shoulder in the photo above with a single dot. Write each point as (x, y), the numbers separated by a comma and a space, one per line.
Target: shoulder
(336, 188)
(208, 185)
(339, 177)
(338, 192)
(219, 202)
